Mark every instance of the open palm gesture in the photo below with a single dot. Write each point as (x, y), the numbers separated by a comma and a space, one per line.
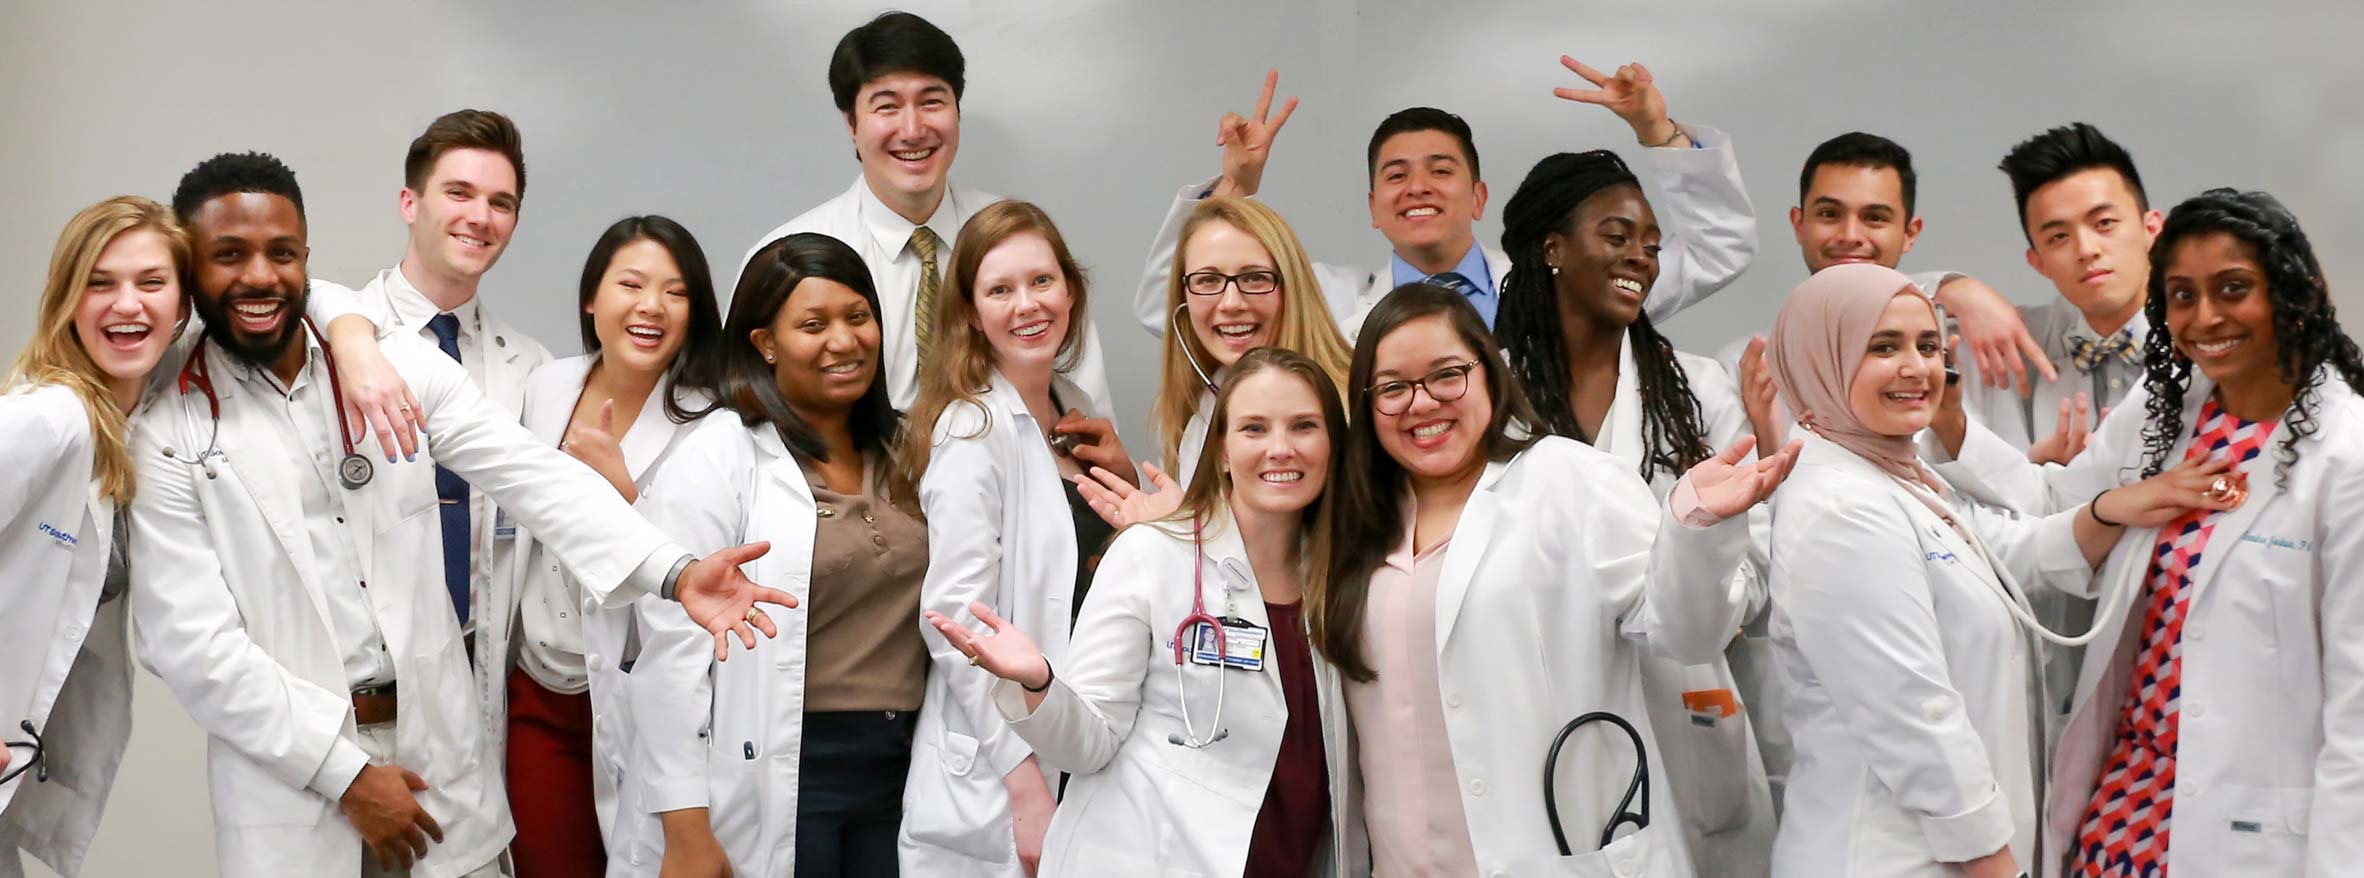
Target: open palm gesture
(1007, 652)
(1726, 487)
(1247, 142)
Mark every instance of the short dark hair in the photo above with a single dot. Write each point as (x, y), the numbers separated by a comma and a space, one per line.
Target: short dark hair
(464, 129)
(694, 363)
(235, 172)
(1423, 119)
(2043, 159)
(894, 42)
(1856, 149)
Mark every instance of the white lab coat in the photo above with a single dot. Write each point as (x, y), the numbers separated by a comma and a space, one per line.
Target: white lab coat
(1710, 238)
(1909, 681)
(999, 531)
(1712, 765)
(63, 665)
(508, 357)
(866, 224)
(235, 620)
(2269, 769)
(1139, 804)
(550, 397)
(724, 736)
(1561, 572)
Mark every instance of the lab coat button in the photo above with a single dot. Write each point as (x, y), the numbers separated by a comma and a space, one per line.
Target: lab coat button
(2199, 710)
(1453, 700)
(1477, 787)
(2197, 632)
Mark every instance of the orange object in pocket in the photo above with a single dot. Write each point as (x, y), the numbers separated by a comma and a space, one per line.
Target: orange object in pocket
(1720, 702)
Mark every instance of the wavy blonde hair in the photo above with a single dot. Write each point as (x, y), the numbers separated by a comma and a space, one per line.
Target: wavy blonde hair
(960, 359)
(56, 355)
(1306, 325)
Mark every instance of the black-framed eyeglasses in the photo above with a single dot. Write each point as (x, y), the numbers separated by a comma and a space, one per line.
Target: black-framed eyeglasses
(1209, 282)
(1443, 385)
(34, 763)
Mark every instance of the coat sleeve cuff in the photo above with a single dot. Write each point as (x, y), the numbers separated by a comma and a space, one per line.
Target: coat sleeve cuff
(1975, 833)
(1010, 699)
(684, 790)
(344, 763)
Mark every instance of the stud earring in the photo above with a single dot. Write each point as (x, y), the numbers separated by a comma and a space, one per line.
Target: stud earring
(1555, 271)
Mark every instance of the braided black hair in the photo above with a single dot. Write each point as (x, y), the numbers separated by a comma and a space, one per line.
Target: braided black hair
(2307, 335)
(1674, 435)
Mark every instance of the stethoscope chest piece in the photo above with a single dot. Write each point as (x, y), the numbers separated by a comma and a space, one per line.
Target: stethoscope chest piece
(354, 471)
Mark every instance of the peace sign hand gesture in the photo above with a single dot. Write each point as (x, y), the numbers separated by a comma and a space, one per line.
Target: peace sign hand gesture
(1247, 143)
(1007, 652)
(1632, 94)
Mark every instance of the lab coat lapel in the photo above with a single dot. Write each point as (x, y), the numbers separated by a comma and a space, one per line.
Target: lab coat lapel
(1470, 537)
(2226, 539)
(651, 431)
(1223, 543)
(548, 422)
(244, 439)
(1621, 429)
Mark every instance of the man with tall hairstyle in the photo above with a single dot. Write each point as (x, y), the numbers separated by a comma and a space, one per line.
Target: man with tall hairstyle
(288, 591)
(1426, 193)
(898, 81)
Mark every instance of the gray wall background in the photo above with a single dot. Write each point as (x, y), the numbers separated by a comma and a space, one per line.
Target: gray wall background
(718, 115)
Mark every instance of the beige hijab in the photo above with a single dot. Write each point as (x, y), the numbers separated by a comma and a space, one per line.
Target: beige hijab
(1818, 342)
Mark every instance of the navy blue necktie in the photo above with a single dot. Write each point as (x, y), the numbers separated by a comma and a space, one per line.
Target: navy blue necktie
(1460, 283)
(452, 490)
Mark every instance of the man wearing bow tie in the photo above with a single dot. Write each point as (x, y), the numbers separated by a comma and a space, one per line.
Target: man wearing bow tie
(2089, 229)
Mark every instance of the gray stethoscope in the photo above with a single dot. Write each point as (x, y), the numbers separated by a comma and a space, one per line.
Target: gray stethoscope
(1233, 582)
(353, 471)
(1640, 786)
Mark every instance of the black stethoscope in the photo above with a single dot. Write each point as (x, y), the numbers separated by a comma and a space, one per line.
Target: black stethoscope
(353, 471)
(1626, 815)
(34, 763)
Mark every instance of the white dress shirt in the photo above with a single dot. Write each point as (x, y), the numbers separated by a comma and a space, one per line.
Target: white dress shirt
(883, 239)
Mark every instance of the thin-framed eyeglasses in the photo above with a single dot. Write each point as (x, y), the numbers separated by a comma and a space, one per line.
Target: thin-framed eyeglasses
(1209, 282)
(1446, 384)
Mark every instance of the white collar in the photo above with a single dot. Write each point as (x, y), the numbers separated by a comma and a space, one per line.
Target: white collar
(893, 232)
(413, 308)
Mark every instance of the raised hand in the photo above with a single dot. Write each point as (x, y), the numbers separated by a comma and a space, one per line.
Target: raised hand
(1726, 487)
(1630, 93)
(595, 444)
(722, 599)
(1247, 143)
(1997, 334)
(1758, 399)
(1007, 653)
(2070, 434)
(1121, 504)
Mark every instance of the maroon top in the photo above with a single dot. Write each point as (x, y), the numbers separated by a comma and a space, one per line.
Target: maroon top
(1295, 819)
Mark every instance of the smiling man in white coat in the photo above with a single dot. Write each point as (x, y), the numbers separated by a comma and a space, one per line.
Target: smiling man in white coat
(1425, 194)
(304, 625)
(898, 80)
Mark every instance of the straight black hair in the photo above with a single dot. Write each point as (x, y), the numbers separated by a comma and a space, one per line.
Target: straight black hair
(694, 363)
(1422, 119)
(2047, 157)
(894, 42)
(748, 384)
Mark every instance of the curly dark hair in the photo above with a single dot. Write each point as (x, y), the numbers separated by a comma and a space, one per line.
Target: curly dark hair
(231, 173)
(1674, 435)
(2307, 334)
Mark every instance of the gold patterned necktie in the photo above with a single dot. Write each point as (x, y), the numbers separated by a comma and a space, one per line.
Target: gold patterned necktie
(923, 317)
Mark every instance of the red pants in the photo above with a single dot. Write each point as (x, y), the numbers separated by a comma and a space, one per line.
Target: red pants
(550, 792)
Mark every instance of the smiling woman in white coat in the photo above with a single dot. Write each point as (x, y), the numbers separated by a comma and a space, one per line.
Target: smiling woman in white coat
(1492, 586)
(1912, 692)
(1583, 244)
(111, 305)
(1171, 775)
(650, 326)
(792, 763)
(1004, 527)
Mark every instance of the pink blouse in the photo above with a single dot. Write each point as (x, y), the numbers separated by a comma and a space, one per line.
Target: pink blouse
(1411, 796)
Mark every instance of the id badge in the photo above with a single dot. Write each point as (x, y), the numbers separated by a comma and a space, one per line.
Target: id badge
(504, 527)
(1245, 643)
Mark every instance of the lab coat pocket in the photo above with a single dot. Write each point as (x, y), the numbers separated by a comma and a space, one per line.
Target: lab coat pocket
(2243, 830)
(1643, 854)
(246, 795)
(952, 805)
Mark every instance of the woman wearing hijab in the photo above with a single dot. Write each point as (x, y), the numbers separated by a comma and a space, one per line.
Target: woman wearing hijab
(1897, 614)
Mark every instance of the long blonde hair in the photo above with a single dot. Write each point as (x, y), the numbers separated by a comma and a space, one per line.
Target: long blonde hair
(961, 361)
(1306, 325)
(56, 355)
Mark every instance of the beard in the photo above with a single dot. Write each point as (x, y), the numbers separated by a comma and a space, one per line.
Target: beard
(263, 350)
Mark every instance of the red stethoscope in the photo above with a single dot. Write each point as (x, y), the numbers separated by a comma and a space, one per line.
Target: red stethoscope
(1183, 640)
(353, 471)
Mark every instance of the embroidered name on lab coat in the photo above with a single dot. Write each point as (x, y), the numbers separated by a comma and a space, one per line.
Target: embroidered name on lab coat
(2279, 542)
(63, 538)
(1941, 555)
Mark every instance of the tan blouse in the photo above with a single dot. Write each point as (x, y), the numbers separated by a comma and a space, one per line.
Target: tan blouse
(1411, 795)
(863, 651)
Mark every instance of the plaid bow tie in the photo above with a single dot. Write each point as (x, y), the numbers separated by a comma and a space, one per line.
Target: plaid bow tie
(2089, 352)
